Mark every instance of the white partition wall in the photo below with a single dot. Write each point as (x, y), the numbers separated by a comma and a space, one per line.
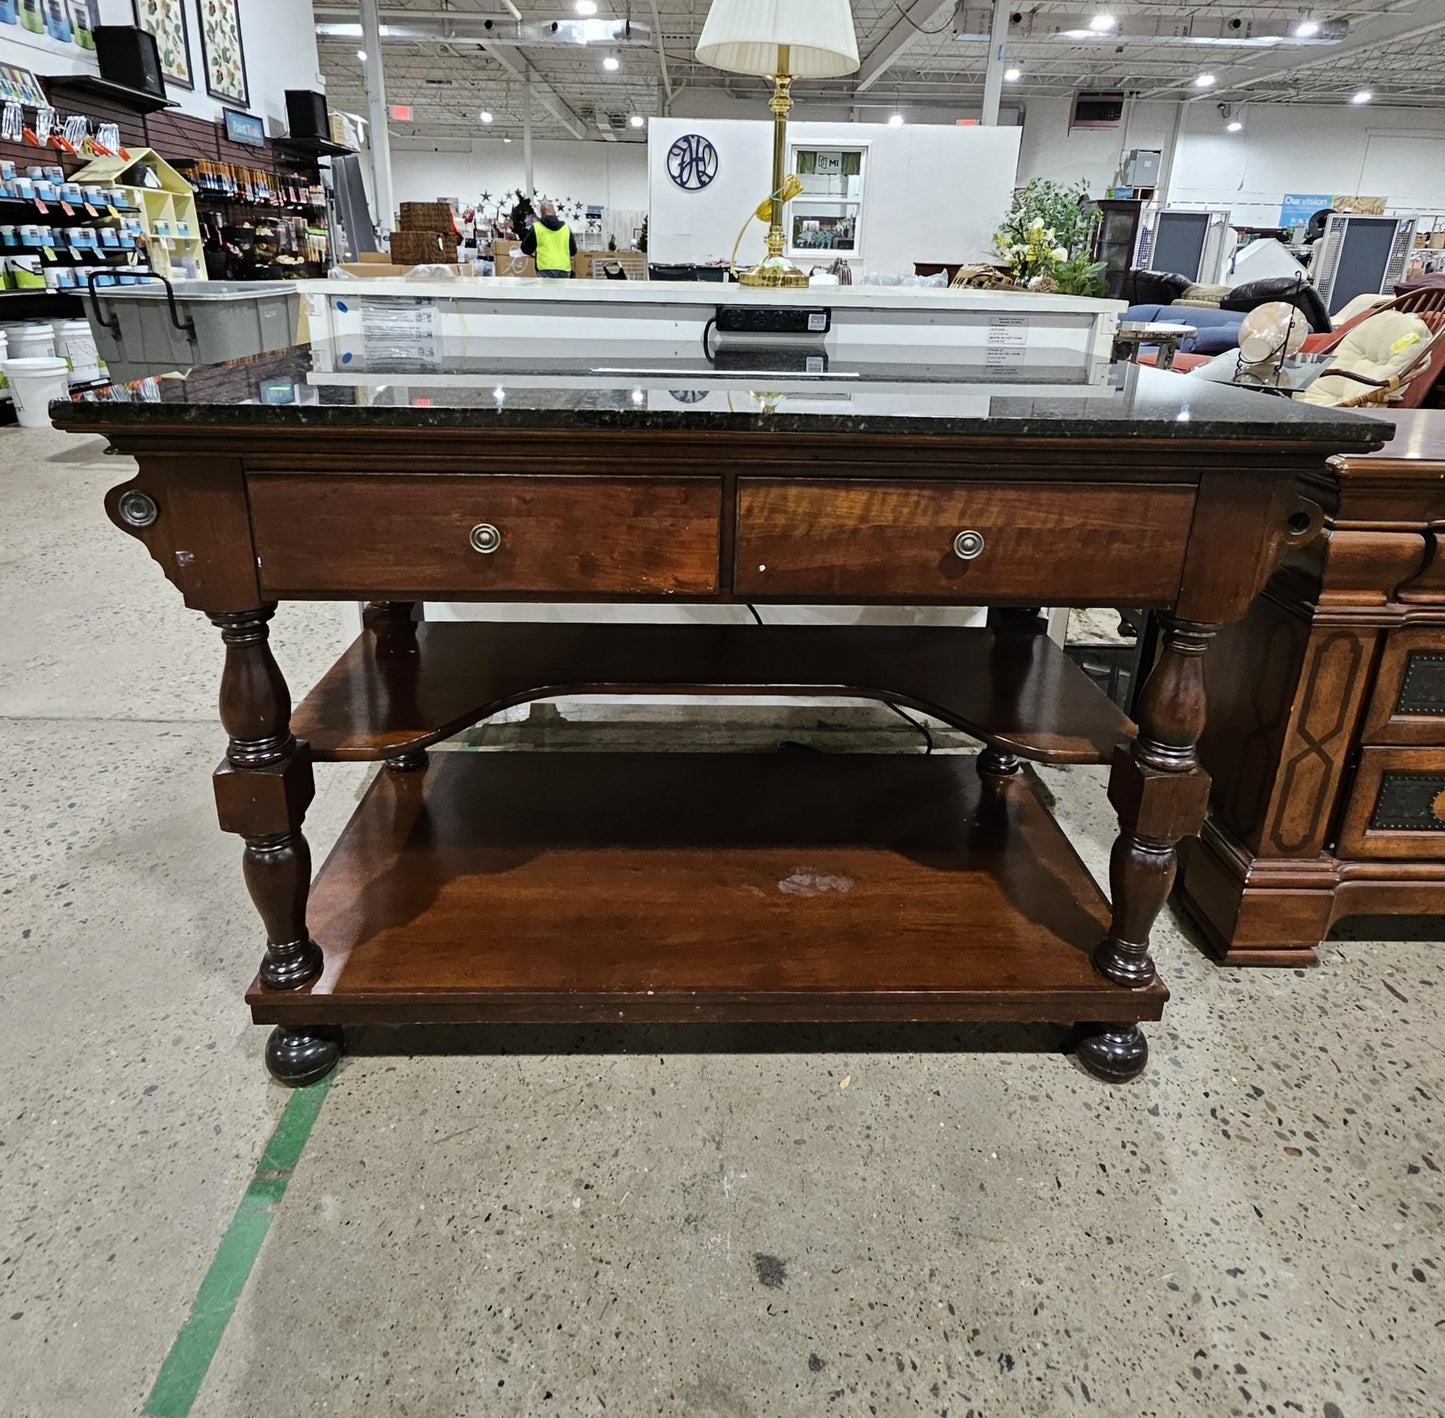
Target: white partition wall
(931, 192)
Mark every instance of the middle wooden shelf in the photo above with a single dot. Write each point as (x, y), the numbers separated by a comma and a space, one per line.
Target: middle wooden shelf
(403, 685)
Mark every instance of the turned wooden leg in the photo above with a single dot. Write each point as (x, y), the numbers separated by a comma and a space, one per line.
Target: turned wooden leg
(1113, 1052)
(263, 789)
(392, 628)
(300, 1056)
(1160, 793)
(995, 762)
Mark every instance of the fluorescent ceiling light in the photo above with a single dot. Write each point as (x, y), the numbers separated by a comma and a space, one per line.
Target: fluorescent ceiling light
(1102, 24)
(485, 115)
(637, 120)
(1204, 81)
(1234, 126)
(1361, 96)
(1012, 76)
(586, 7)
(1307, 29)
(895, 120)
(612, 63)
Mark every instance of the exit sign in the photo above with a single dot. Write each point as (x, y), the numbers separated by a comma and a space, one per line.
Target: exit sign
(401, 112)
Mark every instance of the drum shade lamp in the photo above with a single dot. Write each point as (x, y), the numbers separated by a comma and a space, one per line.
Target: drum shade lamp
(781, 40)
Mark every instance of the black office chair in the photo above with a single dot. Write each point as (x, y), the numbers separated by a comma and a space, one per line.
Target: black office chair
(612, 271)
(680, 272)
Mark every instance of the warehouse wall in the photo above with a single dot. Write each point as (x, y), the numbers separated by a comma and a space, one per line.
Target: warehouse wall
(1396, 153)
(613, 175)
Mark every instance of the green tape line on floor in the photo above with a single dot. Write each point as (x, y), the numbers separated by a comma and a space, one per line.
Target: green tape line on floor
(185, 1367)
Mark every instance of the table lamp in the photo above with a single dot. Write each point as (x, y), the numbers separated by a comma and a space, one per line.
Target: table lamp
(781, 40)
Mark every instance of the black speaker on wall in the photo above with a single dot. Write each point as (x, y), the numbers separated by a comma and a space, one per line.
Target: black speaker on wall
(306, 116)
(128, 56)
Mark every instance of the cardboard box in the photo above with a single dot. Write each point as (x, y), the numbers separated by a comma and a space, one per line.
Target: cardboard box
(374, 270)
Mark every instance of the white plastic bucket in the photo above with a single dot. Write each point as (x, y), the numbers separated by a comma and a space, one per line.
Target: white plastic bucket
(75, 344)
(33, 340)
(33, 384)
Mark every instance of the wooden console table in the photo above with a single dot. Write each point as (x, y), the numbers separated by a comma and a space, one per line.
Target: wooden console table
(1327, 731)
(533, 887)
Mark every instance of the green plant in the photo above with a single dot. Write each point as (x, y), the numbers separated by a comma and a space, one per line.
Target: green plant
(1080, 276)
(1048, 232)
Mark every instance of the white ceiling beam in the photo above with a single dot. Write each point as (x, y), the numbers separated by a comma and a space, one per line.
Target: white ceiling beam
(542, 91)
(1365, 33)
(922, 14)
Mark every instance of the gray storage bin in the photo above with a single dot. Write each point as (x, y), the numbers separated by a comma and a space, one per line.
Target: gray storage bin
(232, 319)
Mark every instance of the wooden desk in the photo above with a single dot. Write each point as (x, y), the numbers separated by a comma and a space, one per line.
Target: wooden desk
(530, 887)
(1327, 737)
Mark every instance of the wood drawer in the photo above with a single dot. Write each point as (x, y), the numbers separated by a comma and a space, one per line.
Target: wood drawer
(1408, 705)
(1397, 805)
(1111, 543)
(319, 532)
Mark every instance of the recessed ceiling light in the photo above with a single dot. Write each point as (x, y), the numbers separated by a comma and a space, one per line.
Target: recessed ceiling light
(612, 63)
(1361, 96)
(1204, 81)
(1102, 24)
(1234, 126)
(1307, 29)
(586, 7)
(637, 120)
(361, 55)
(1012, 76)
(895, 120)
(486, 115)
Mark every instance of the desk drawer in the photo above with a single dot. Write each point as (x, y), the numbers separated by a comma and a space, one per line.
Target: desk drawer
(470, 536)
(1397, 805)
(1408, 706)
(1108, 544)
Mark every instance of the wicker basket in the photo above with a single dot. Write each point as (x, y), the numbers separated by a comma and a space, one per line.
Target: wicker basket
(426, 216)
(422, 248)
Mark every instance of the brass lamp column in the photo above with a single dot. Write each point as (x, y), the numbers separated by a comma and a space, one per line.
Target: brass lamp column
(781, 40)
(773, 270)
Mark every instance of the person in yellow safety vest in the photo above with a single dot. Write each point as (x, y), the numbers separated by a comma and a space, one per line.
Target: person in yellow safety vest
(551, 242)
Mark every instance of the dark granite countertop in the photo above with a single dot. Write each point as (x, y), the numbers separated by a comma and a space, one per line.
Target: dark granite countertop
(1050, 395)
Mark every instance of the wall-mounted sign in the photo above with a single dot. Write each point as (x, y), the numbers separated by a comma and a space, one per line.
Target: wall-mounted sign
(245, 128)
(692, 162)
(1298, 207)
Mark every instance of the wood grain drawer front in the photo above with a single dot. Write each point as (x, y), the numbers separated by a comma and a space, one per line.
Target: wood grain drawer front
(957, 541)
(469, 536)
(1408, 705)
(1397, 805)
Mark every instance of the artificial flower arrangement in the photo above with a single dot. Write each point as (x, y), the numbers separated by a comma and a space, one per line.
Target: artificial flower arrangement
(1045, 240)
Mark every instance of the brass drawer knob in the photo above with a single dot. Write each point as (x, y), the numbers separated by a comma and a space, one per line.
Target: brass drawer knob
(967, 545)
(485, 538)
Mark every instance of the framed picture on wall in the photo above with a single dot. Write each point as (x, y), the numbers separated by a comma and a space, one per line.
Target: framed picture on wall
(224, 58)
(166, 19)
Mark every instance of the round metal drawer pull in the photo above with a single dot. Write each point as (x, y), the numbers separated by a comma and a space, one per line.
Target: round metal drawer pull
(967, 545)
(138, 509)
(485, 538)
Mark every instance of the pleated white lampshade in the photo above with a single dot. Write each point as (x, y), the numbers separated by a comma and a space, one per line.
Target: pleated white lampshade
(743, 36)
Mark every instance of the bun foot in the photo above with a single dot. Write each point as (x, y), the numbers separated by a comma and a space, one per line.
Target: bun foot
(1114, 1052)
(297, 1057)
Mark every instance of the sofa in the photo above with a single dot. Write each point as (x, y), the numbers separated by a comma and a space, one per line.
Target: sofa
(1218, 329)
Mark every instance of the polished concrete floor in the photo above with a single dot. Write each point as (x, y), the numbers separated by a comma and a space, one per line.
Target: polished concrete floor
(877, 1223)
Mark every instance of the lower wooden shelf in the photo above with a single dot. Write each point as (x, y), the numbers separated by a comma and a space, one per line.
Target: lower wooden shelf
(540, 888)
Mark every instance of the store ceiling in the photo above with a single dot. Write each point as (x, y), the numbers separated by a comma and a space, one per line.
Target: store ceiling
(443, 61)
